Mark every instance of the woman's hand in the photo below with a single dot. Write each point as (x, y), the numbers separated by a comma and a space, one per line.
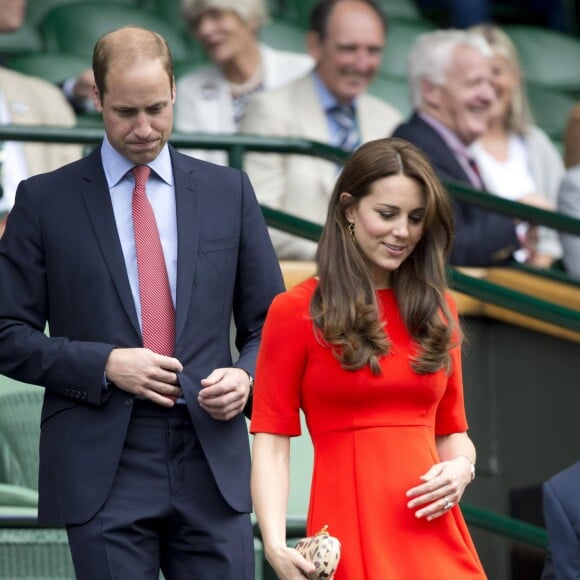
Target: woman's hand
(289, 564)
(444, 485)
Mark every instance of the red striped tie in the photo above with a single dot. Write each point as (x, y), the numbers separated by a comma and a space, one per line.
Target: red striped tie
(157, 310)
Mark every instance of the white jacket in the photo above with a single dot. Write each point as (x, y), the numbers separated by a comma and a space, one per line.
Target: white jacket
(204, 103)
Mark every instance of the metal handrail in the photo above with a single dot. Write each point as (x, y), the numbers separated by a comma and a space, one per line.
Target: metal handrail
(237, 144)
(505, 526)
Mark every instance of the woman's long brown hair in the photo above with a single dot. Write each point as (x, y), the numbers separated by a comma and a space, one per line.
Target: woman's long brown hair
(344, 306)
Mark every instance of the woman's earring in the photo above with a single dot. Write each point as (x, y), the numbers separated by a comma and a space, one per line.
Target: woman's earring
(351, 231)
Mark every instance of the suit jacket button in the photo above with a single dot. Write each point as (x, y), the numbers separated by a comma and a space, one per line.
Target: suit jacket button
(67, 391)
(128, 402)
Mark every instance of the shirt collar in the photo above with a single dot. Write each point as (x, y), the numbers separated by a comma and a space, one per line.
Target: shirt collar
(116, 166)
(451, 139)
(327, 99)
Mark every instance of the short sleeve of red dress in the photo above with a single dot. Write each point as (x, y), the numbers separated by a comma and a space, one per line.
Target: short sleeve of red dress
(450, 416)
(281, 361)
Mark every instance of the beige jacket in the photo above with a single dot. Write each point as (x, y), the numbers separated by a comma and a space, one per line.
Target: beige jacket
(33, 101)
(299, 184)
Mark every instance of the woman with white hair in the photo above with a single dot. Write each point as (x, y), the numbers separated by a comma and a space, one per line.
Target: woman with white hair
(213, 98)
(516, 158)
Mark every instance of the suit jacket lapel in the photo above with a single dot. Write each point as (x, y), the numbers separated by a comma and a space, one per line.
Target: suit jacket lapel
(441, 156)
(188, 214)
(95, 193)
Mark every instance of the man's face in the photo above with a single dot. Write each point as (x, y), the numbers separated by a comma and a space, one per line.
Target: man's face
(349, 56)
(137, 109)
(12, 14)
(463, 103)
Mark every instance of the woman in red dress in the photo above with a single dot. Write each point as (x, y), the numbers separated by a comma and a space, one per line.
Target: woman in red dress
(370, 350)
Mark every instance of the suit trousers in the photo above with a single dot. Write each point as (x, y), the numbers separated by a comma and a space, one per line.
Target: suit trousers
(164, 512)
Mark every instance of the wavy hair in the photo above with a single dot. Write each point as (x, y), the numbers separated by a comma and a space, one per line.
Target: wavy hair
(344, 307)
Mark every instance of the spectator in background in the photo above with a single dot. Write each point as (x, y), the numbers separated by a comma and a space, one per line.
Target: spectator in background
(26, 100)
(561, 495)
(346, 38)
(450, 78)
(214, 98)
(79, 91)
(517, 160)
(569, 194)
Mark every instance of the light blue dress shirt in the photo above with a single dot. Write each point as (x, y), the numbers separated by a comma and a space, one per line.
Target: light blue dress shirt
(161, 194)
(328, 101)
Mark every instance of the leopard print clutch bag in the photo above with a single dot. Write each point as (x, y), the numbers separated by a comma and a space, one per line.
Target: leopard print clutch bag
(324, 551)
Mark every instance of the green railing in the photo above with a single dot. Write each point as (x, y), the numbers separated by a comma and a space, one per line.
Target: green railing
(237, 145)
(510, 528)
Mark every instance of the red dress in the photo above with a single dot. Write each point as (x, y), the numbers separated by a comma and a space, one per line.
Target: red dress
(373, 436)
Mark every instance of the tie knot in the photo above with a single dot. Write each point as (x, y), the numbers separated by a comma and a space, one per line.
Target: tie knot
(344, 114)
(141, 173)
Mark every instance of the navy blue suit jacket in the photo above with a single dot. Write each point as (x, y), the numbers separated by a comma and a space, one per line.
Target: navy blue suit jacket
(61, 262)
(482, 238)
(562, 516)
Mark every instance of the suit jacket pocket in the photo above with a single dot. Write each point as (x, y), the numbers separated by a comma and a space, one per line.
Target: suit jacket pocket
(218, 245)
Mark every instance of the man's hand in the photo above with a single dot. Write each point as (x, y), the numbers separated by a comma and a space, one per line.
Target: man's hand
(145, 374)
(224, 393)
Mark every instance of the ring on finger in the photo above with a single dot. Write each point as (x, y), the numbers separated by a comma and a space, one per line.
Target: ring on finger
(447, 505)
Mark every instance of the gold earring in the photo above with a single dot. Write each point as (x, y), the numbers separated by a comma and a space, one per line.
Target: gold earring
(351, 231)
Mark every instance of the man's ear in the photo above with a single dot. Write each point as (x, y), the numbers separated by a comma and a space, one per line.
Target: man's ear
(97, 99)
(431, 93)
(313, 42)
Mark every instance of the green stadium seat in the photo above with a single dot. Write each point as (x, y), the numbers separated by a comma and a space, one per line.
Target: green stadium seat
(400, 38)
(170, 11)
(51, 66)
(401, 9)
(550, 109)
(39, 554)
(284, 35)
(548, 58)
(19, 434)
(394, 90)
(23, 41)
(296, 12)
(75, 28)
(37, 9)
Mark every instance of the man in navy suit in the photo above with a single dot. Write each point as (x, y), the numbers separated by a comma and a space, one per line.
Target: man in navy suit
(562, 516)
(144, 457)
(450, 76)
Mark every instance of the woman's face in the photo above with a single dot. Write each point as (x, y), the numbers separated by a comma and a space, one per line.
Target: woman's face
(388, 224)
(505, 81)
(223, 34)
